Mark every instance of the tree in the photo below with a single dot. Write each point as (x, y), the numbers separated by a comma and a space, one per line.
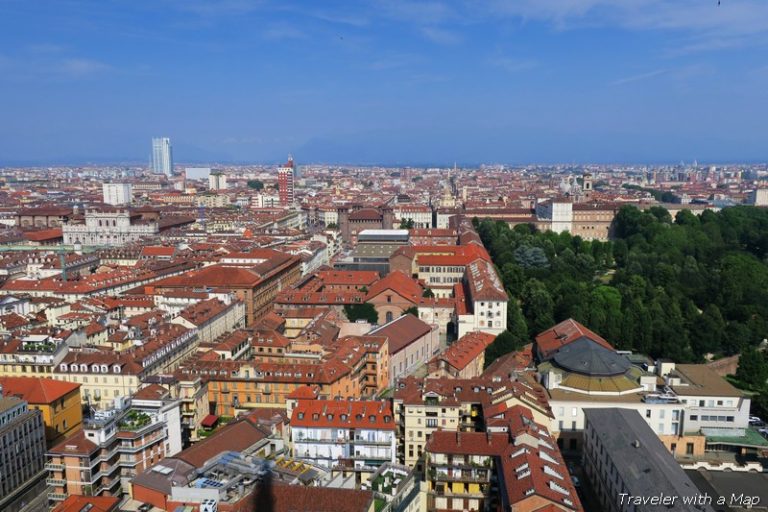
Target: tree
(413, 310)
(332, 225)
(516, 322)
(364, 311)
(428, 293)
(753, 368)
(531, 257)
(538, 307)
(255, 184)
(406, 224)
(503, 344)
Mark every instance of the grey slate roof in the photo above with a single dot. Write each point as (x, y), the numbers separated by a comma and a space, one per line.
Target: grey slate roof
(644, 464)
(589, 358)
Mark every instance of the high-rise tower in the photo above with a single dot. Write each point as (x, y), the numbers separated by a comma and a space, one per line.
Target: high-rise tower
(162, 156)
(285, 179)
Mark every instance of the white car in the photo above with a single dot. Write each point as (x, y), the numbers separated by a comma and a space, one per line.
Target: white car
(755, 419)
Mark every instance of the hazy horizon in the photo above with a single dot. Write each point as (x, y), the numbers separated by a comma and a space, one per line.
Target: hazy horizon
(392, 82)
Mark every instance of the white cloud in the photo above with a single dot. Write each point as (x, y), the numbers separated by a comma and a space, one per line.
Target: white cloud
(638, 78)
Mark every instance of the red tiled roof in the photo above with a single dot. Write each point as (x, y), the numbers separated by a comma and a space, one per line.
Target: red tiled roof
(45, 234)
(88, 503)
(398, 282)
(343, 414)
(158, 251)
(465, 349)
(567, 331)
(467, 443)
(37, 390)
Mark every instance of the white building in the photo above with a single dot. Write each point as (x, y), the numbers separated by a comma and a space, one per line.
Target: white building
(555, 215)
(332, 433)
(581, 371)
(162, 156)
(758, 197)
(217, 181)
(197, 173)
(117, 194)
(108, 227)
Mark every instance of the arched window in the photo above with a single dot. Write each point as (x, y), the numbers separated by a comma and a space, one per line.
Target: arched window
(389, 316)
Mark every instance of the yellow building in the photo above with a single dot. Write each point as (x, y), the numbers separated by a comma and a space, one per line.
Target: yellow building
(58, 401)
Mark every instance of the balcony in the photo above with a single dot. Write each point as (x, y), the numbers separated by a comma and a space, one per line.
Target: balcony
(462, 477)
(361, 441)
(55, 496)
(50, 466)
(55, 482)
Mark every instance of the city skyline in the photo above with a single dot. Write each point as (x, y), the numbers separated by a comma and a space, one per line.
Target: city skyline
(385, 83)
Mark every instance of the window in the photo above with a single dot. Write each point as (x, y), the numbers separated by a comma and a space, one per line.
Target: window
(389, 316)
(647, 413)
(689, 449)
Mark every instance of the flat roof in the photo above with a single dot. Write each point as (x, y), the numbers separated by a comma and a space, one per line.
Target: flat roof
(642, 461)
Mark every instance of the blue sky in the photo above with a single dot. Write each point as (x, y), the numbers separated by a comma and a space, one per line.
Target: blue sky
(370, 81)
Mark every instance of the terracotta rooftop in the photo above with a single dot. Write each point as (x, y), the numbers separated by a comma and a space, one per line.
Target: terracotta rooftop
(562, 334)
(37, 390)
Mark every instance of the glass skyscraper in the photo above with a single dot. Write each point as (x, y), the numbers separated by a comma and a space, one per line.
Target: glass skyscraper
(162, 156)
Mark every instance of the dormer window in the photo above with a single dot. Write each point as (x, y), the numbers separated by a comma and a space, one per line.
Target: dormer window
(301, 415)
(372, 418)
(63, 367)
(83, 367)
(104, 368)
(116, 368)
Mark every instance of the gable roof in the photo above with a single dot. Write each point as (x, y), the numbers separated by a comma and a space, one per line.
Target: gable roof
(402, 331)
(398, 282)
(36, 390)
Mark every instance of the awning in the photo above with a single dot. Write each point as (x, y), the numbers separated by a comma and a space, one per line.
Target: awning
(209, 421)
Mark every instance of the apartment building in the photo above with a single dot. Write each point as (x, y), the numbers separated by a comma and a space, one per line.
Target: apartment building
(411, 343)
(358, 435)
(257, 284)
(354, 367)
(58, 402)
(113, 446)
(105, 377)
(212, 318)
(463, 359)
(22, 448)
(422, 407)
(518, 468)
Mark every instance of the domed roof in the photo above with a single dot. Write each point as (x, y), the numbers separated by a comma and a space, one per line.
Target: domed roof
(589, 358)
